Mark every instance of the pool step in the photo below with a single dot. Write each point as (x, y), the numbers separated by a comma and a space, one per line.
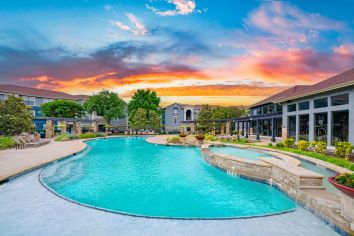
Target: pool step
(311, 187)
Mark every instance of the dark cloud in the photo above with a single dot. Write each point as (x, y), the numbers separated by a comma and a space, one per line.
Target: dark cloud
(126, 58)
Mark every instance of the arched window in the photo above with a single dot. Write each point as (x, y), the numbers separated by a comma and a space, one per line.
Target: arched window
(188, 115)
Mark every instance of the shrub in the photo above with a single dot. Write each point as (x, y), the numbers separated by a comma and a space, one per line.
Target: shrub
(210, 137)
(235, 132)
(100, 135)
(243, 140)
(319, 146)
(270, 145)
(87, 135)
(303, 145)
(62, 137)
(289, 142)
(6, 142)
(346, 179)
(174, 139)
(279, 144)
(242, 132)
(343, 149)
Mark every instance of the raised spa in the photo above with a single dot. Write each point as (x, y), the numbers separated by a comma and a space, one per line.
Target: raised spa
(129, 175)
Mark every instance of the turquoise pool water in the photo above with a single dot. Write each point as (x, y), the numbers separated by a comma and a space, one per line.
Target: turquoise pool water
(129, 175)
(239, 152)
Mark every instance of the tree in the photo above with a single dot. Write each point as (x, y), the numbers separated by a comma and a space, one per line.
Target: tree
(205, 122)
(145, 99)
(62, 108)
(227, 112)
(154, 121)
(139, 120)
(15, 116)
(106, 104)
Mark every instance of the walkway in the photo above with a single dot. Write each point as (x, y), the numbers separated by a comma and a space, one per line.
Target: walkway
(14, 161)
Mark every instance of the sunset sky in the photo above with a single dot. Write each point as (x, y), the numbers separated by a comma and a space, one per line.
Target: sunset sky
(225, 52)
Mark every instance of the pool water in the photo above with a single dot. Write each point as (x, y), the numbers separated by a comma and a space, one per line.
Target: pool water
(239, 152)
(129, 175)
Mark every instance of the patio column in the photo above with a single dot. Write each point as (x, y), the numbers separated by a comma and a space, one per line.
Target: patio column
(49, 129)
(258, 138)
(222, 128)
(62, 125)
(228, 126)
(246, 134)
(243, 128)
(94, 127)
(238, 127)
(329, 128)
(77, 127)
(273, 129)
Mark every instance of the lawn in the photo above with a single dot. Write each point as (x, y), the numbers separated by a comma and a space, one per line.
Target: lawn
(6, 142)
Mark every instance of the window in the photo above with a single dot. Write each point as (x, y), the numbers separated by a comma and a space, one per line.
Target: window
(259, 111)
(188, 115)
(265, 110)
(175, 121)
(340, 99)
(279, 108)
(291, 107)
(292, 127)
(304, 127)
(304, 106)
(45, 100)
(271, 108)
(321, 121)
(340, 126)
(39, 101)
(175, 111)
(322, 102)
(28, 100)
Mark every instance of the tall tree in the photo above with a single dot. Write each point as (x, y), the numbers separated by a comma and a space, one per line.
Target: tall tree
(15, 116)
(205, 122)
(62, 108)
(106, 104)
(145, 99)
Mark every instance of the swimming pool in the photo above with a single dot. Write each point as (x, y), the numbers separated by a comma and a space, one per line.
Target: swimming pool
(129, 175)
(239, 152)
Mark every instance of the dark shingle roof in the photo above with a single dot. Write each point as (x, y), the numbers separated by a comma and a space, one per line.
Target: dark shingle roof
(34, 92)
(341, 80)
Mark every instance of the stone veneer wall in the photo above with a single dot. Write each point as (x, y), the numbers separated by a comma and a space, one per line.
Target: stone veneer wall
(253, 169)
(302, 185)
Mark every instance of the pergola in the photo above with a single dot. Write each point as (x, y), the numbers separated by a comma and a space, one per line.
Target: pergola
(63, 122)
(243, 124)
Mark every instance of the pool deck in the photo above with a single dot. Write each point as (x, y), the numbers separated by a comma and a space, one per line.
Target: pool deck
(16, 161)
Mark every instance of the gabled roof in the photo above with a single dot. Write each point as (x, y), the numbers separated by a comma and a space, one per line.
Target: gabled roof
(341, 80)
(286, 93)
(185, 105)
(34, 92)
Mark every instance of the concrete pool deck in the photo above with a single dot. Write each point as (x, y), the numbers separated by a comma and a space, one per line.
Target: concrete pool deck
(27, 208)
(25, 196)
(15, 161)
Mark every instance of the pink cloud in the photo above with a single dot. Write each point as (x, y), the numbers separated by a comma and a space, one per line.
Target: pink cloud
(182, 7)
